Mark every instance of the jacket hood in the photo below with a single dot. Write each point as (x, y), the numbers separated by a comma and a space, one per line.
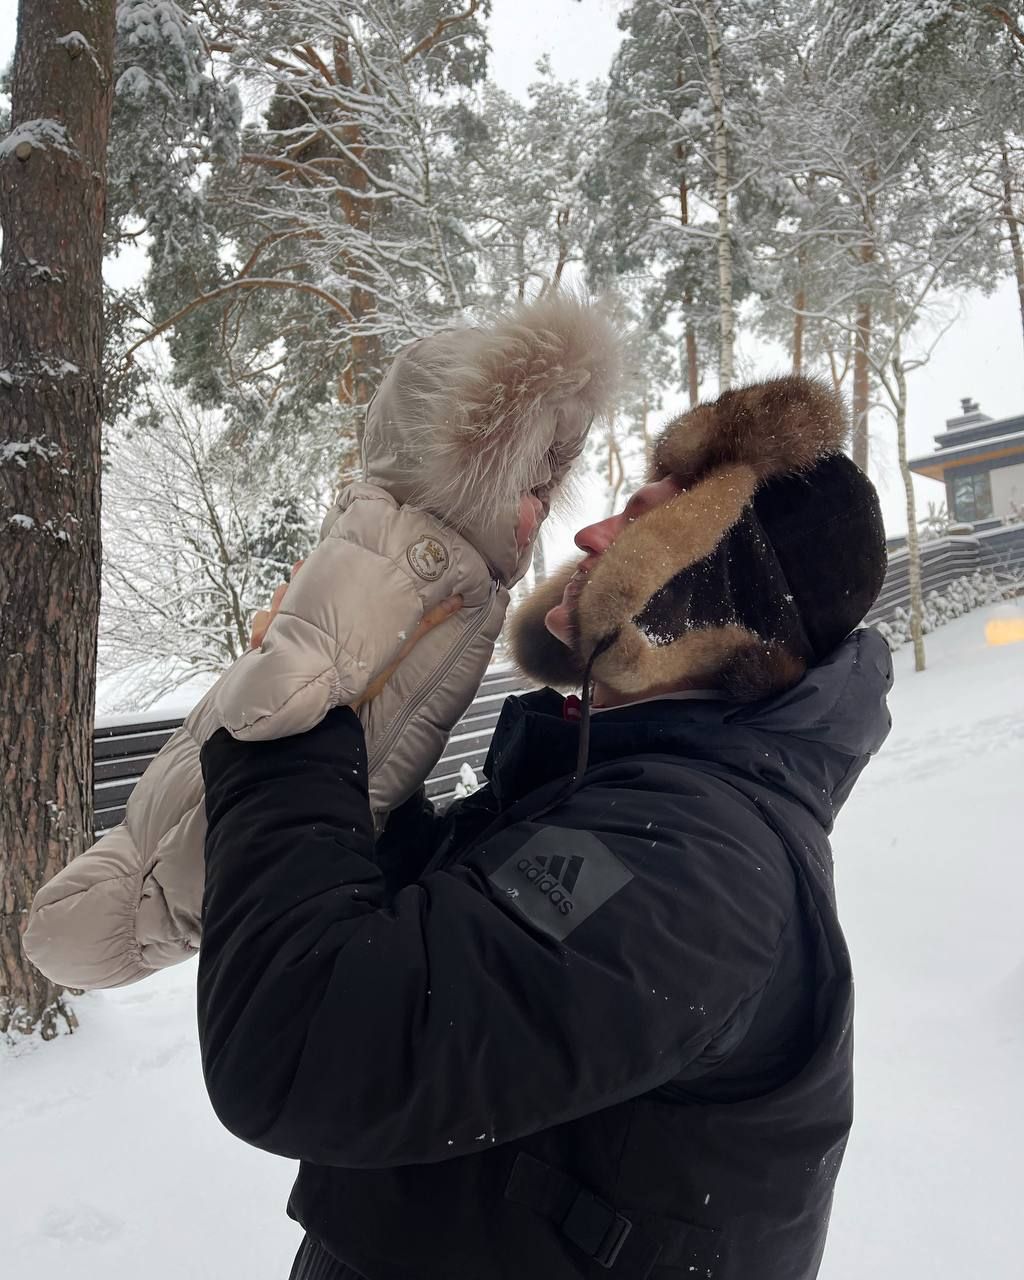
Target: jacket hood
(467, 420)
(810, 742)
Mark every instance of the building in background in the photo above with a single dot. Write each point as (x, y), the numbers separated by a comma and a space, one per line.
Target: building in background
(981, 462)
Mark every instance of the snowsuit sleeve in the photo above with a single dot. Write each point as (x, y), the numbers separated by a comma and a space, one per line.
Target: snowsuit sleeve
(342, 1026)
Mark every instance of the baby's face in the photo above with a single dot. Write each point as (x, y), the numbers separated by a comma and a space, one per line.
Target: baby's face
(531, 513)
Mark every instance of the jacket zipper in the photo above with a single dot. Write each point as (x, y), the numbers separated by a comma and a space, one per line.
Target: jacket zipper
(430, 684)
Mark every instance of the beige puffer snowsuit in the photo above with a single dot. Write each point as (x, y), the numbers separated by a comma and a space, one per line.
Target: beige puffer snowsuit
(463, 424)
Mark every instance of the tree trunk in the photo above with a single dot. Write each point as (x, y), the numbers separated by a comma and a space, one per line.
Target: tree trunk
(727, 323)
(861, 384)
(356, 207)
(1013, 226)
(799, 303)
(690, 340)
(616, 472)
(862, 339)
(692, 372)
(52, 208)
(913, 541)
(645, 432)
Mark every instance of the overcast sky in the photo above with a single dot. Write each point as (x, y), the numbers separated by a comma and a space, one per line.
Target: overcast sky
(981, 356)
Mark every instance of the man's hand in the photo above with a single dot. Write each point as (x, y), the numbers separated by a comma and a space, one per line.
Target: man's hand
(440, 613)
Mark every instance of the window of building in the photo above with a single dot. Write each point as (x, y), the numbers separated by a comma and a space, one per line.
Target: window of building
(971, 497)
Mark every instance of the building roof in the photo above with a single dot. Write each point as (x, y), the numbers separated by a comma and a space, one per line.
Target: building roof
(972, 437)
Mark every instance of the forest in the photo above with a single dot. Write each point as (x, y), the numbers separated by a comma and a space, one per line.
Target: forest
(312, 184)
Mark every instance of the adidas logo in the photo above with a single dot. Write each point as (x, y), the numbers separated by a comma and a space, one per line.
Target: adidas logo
(555, 875)
(559, 878)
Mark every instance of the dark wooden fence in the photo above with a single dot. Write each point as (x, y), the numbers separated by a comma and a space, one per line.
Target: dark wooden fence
(1000, 550)
(124, 749)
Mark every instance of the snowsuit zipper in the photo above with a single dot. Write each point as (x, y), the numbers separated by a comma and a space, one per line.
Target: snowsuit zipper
(432, 681)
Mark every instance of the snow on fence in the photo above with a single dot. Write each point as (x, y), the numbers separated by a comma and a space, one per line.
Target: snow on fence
(944, 561)
(123, 748)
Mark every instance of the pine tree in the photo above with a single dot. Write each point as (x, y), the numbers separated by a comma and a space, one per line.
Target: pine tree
(994, 138)
(652, 237)
(523, 172)
(175, 130)
(192, 547)
(52, 204)
(898, 195)
(682, 168)
(335, 238)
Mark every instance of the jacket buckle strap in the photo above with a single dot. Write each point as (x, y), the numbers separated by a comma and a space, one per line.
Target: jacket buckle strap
(596, 1228)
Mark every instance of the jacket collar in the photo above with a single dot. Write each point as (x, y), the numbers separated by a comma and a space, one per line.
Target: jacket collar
(810, 742)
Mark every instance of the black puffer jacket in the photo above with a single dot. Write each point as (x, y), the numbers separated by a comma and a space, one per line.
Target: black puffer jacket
(612, 1041)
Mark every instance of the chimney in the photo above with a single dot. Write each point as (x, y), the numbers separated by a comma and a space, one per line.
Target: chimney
(970, 416)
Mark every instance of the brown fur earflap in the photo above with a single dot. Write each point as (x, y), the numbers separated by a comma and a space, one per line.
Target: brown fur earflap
(534, 649)
(759, 669)
(635, 665)
(783, 425)
(656, 547)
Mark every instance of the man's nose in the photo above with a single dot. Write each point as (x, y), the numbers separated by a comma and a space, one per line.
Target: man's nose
(597, 538)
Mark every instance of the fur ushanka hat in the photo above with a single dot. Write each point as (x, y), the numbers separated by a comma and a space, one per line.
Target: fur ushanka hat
(771, 555)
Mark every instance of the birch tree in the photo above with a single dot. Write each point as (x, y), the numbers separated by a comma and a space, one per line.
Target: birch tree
(52, 204)
(192, 546)
(653, 232)
(947, 241)
(680, 157)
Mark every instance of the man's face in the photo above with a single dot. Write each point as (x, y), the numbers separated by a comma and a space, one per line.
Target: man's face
(595, 540)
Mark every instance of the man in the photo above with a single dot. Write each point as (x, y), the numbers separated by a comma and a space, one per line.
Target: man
(596, 1019)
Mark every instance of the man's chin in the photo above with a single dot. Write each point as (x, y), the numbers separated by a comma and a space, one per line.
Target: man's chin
(541, 634)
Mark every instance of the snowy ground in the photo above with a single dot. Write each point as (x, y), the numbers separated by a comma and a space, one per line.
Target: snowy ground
(113, 1165)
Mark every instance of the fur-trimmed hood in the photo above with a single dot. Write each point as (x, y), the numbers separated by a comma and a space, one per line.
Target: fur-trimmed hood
(469, 419)
(770, 555)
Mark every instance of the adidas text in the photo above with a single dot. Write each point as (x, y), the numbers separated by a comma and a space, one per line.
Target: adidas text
(547, 884)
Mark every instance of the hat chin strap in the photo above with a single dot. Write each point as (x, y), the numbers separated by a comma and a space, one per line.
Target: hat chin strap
(583, 750)
(588, 693)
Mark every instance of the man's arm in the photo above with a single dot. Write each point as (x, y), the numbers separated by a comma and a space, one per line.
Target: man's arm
(343, 1029)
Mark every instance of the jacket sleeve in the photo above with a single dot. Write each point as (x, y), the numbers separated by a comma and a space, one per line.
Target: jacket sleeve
(344, 1028)
(130, 904)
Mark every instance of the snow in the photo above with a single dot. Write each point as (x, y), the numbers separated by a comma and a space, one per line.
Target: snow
(122, 1168)
(121, 1163)
(76, 44)
(19, 451)
(930, 881)
(117, 689)
(39, 134)
(468, 781)
(74, 40)
(40, 366)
